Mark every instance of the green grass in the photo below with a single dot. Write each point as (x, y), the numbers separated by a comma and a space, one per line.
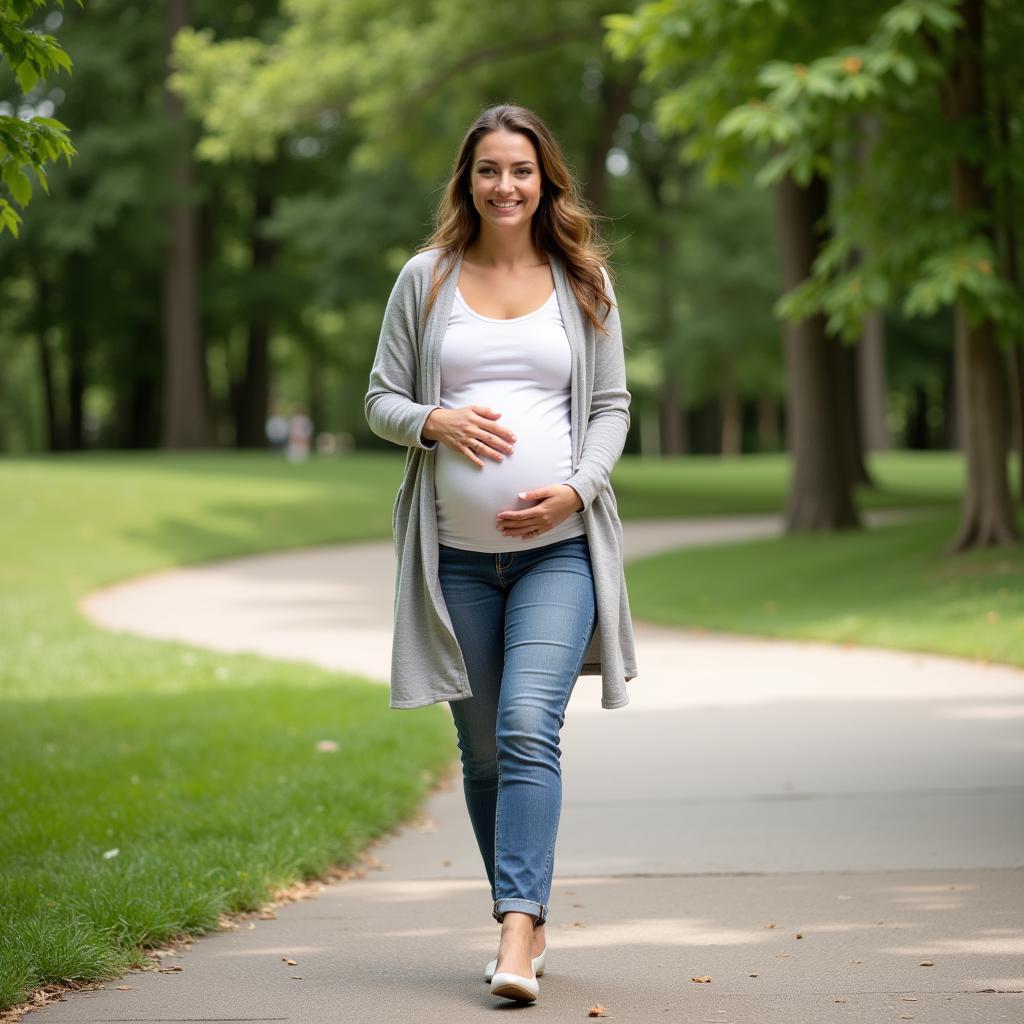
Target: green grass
(201, 769)
(708, 485)
(891, 587)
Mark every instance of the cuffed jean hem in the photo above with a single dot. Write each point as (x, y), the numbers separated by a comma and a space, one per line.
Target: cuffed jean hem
(538, 910)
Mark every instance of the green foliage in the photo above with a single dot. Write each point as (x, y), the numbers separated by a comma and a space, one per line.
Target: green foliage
(28, 142)
(784, 84)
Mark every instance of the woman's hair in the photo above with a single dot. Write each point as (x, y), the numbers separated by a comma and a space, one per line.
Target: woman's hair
(561, 224)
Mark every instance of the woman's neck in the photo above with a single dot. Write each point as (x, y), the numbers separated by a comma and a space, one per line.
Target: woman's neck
(504, 251)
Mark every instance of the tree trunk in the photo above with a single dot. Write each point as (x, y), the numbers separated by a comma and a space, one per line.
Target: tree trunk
(54, 434)
(254, 395)
(1016, 358)
(844, 376)
(988, 516)
(820, 496)
(706, 428)
(872, 389)
(674, 434)
(1012, 274)
(731, 410)
(186, 407)
(917, 434)
(616, 94)
(77, 328)
(768, 433)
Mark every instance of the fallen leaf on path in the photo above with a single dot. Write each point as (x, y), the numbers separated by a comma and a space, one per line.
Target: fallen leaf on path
(597, 1011)
(291, 962)
(770, 924)
(799, 935)
(927, 963)
(703, 978)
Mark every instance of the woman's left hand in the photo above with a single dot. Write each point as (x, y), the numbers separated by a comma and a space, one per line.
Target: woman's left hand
(555, 504)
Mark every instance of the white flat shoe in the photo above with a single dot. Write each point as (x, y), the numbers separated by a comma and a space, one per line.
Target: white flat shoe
(514, 986)
(538, 965)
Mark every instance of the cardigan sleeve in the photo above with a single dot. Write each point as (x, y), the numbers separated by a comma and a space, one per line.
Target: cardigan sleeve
(609, 409)
(390, 404)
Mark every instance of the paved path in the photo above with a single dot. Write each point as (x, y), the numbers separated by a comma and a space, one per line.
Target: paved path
(871, 802)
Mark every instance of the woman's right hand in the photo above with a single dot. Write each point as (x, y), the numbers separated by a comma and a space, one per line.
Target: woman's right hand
(471, 431)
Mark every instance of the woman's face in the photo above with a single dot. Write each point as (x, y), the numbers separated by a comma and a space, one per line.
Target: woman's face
(505, 179)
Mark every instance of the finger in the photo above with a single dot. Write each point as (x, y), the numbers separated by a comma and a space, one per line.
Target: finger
(520, 533)
(490, 426)
(476, 447)
(499, 442)
(500, 436)
(521, 526)
(486, 448)
(535, 531)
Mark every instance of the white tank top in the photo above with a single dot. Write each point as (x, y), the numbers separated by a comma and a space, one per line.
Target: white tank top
(521, 368)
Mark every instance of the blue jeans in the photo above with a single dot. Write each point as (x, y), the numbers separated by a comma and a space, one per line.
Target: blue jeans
(524, 620)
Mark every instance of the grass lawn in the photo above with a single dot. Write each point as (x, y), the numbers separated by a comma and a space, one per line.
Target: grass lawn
(201, 770)
(150, 787)
(890, 587)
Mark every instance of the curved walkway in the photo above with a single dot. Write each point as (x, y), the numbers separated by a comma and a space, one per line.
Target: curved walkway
(871, 801)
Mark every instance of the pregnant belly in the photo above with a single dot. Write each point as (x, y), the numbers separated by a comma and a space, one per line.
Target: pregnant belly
(470, 497)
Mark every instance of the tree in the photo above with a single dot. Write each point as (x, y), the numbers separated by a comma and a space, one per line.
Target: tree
(186, 413)
(927, 222)
(707, 58)
(919, 67)
(35, 140)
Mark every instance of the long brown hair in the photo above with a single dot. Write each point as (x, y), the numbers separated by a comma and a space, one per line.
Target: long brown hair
(561, 224)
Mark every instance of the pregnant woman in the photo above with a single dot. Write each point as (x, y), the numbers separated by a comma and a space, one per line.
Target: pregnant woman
(500, 369)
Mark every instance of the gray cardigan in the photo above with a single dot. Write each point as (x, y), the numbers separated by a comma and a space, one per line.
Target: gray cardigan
(405, 387)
